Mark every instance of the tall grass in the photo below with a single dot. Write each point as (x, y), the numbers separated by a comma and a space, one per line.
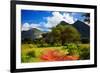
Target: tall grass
(33, 53)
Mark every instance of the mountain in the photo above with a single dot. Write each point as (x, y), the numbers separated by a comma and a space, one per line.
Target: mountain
(63, 23)
(31, 34)
(82, 28)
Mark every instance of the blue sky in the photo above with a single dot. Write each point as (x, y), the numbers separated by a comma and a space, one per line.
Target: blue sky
(34, 16)
(44, 20)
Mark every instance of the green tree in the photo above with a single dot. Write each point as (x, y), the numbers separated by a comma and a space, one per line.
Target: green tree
(65, 34)
(70, 34)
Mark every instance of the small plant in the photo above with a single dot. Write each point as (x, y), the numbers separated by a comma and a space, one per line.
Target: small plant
(31, 54)
(25, 58)
(72, 49)
(85, 53)
(30, 45)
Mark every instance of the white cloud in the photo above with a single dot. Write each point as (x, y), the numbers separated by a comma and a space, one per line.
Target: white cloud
(68, 18)
(58, 17)
(54, 20)
(40, 26)
(25, 27)
(34, 25)
(87, 23)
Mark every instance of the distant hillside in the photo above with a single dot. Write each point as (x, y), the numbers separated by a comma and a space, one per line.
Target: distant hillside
(83, 28)
(31, 34)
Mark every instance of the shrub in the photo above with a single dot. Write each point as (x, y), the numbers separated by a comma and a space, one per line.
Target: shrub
(72, 49)
(86, 40)
(84, 52)
(25, 58)
(31, 46)
(81, 50)
(26, 41)
(31, 54)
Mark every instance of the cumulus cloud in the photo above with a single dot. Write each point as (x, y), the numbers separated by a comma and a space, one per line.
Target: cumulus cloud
(25, 27)
(34, 25)
(68, 18)
(58, 17)
(40, 26)
(54, 20)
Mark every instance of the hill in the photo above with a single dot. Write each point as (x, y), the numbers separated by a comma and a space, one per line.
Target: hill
(31, 34)
(83, 29)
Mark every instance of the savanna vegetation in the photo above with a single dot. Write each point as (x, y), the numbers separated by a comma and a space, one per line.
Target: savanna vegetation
(61, 44)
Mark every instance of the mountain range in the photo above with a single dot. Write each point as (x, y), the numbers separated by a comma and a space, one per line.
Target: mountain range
(35, 33)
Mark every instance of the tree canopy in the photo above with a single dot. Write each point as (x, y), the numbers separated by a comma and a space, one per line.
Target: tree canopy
(64, 34)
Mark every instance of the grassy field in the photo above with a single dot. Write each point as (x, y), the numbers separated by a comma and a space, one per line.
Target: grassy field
(32, 53)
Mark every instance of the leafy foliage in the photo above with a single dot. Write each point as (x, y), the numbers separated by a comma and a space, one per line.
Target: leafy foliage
(31, 53)
(80, 50)
(64, 34)
(84, 52)
(73, 49)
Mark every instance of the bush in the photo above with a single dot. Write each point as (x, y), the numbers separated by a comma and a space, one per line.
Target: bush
(72, 49)
(85, 41)
(27, 41)
(81, 50)
(31, 54)
(25, 58)
(84, 52)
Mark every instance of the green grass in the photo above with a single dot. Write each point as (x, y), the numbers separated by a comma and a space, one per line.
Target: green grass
(32, 53)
